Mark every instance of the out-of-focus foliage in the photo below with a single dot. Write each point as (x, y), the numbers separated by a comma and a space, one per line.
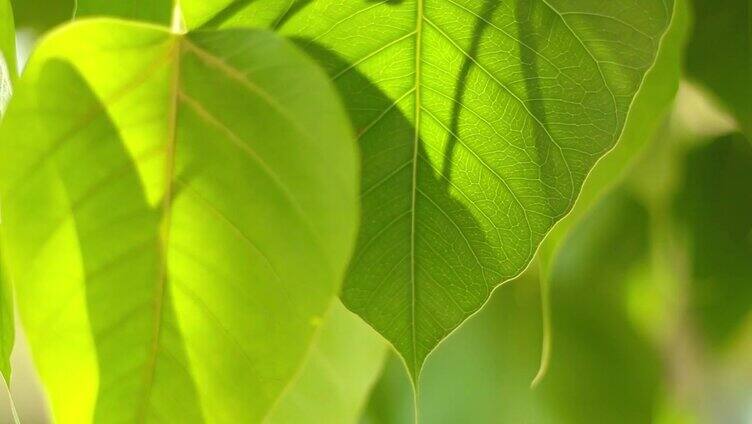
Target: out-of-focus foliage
(41, 15)
(719, 54)
(7, 54)
(157, 11)
(714, 208)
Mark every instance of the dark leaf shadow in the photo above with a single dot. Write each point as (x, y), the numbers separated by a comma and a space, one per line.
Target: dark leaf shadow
(224, 14)
(119, 238)
(548, 164)
(481, 24)
(442, 276)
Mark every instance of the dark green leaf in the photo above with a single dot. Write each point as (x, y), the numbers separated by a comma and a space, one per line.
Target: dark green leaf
(159, 11)
(719, 53)
(715, 208)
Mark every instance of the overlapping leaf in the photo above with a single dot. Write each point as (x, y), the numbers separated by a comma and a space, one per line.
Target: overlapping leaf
(178, 212)
(7, 77)
(478, 122)
(336, 381)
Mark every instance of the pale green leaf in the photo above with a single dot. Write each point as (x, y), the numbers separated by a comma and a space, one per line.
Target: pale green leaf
(178, 213)
(478, 122)
(336, 381)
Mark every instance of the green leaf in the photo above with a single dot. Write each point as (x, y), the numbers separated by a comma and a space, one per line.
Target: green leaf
(648, 112)
(158, 11)
(651, 105)
(7, 79)
(605, 369)
(719, 54)
(7, 54)
(478, 122)
(41, 15)
(178, 213)
(714, 209)
(336, 381)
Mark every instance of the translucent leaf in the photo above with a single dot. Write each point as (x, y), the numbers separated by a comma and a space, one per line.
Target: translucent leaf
(178, 213)
(478, 122)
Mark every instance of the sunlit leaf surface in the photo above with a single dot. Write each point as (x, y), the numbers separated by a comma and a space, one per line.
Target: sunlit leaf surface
(478, 122)
(178, 211)
(336, 381)
(7, 77)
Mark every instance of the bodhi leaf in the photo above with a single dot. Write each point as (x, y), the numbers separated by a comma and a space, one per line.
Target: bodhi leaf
(478, 122)
(648, 112)
(336, 381)
(605, 368)
(7, 77)
(179, 230)
(719, 54)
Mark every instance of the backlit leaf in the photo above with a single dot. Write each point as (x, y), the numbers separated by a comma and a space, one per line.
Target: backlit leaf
(7, 77)
(478, 122)
(178, 213)
(336, 380)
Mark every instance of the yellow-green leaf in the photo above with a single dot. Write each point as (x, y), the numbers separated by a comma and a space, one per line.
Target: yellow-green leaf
(178, 213)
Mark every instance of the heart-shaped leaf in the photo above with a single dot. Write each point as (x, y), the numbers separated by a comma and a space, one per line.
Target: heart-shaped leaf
(478, 122)
(178, 212)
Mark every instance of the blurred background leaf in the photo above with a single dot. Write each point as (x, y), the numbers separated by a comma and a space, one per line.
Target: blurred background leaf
(719, 54)
(41, 15)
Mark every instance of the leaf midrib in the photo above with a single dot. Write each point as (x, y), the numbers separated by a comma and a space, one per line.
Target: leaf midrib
(164, 229)
(416, 144)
